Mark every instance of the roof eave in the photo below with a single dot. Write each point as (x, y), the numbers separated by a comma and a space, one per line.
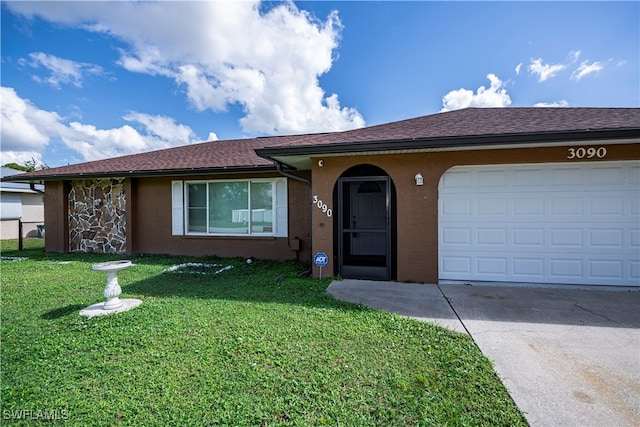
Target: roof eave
(140, 174)
(19, 190)
(449, 142)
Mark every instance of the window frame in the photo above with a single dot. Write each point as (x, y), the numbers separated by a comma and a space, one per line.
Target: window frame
(279, 223)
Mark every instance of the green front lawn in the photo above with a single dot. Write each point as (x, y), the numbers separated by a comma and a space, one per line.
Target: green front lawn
(250, 344)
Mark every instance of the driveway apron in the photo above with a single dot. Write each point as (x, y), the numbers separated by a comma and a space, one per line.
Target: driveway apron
(569, 356)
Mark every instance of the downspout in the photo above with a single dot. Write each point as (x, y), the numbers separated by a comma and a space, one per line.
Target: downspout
(308, 182)
(33, 188)
(290, 175)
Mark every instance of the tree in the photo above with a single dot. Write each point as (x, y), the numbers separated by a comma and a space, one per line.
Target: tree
(29, 166)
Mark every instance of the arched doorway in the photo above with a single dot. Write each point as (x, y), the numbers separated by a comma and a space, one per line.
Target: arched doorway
(364, 236)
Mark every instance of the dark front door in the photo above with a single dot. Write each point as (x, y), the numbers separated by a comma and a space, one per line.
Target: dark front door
(364, 227)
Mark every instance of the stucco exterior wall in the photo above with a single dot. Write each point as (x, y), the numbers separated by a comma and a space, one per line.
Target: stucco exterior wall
(150, 225)
(417, 206)
(32, 213)
(148, 209)
(85, 215)
(8, 229)
(32, 207)
(55, 216)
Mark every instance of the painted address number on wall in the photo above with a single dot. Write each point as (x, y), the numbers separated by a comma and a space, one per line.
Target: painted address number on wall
(586, 153)
(322, 206)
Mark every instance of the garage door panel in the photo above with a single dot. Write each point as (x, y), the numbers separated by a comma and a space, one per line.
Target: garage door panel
(634, 175)
(456, 179)
(570, 176)
(607, 206)
(529, 237)
(563, 269)
(490, 207)
(566, 237)
(490, 178)
(526, 238)
(566, 206)
(495, 237)
(560, 206)
(491, 265)
(606, 176)
(606, 238)
(540, 270)
(527, 177)
(457, 236)
(530, 269)
(634, 270)
(561, 223)
(456, 207)
(532, 206)
(606, 269)
(456, 265)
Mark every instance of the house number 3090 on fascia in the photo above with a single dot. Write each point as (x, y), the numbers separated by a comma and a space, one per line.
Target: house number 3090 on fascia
(586, 153)
(323, 206)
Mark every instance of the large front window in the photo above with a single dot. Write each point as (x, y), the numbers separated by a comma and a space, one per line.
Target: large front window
(239, 207)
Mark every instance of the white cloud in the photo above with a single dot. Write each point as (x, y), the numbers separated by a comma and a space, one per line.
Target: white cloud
(494, 96)
(27, 130)
(585, 68)
(62, 71)
(20, 157)
(225, 53)
(544, 71)
(547, 71)
(518, 67)
(560, 103)
(162, 127)
(574, 55)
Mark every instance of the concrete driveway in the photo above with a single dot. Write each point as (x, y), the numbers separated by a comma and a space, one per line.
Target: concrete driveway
(569, 356)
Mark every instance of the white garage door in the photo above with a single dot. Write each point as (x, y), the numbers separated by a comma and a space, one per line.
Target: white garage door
(576, 223)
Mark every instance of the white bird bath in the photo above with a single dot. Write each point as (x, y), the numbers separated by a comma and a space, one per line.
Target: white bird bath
(111, 292)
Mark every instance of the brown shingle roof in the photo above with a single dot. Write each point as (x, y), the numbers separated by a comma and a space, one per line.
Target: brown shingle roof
(487, 122)
(240, 154)
(207, 156)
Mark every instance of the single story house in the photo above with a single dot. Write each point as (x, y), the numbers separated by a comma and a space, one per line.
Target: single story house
(537, 195)
(20, 203)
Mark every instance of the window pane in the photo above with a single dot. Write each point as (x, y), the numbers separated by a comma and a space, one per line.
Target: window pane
(197, 214)
(229, 207)
(261, 207)
(197, 220)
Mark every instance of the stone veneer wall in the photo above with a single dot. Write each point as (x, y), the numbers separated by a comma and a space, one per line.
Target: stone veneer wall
(97, 220)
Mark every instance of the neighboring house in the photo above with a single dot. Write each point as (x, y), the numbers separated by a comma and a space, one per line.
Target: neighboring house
(542, 195)
(20, 202)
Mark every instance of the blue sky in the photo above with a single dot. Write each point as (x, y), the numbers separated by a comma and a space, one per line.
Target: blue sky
(90, 80)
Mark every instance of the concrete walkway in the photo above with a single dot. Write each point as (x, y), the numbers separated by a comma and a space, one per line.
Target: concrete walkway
(569, 356)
